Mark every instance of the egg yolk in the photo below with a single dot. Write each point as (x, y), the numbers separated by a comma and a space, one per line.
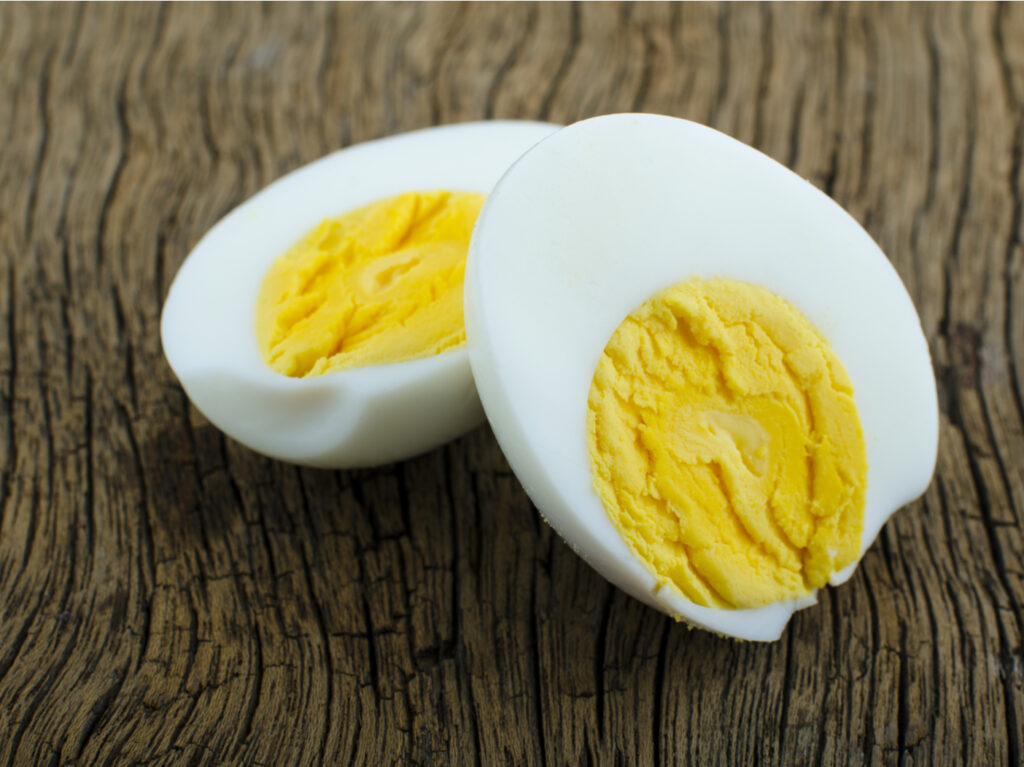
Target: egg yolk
(377, 285)
(726, 446)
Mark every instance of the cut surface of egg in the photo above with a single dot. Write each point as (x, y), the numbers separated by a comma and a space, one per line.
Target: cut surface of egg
(604, 215)
(360, 416)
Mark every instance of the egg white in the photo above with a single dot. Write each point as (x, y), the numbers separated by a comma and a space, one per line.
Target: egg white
(358, 417)
(603, 214)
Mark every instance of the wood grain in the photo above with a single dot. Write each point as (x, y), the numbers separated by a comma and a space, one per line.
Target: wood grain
(169, 597)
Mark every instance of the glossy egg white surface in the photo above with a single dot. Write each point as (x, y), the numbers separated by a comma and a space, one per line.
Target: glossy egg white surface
(357, 417)
(605, 213)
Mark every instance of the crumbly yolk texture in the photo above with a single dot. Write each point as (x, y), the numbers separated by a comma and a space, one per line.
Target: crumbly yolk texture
(377, 285)
(726, 446)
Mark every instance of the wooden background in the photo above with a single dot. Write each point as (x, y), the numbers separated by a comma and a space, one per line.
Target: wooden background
(167, 596)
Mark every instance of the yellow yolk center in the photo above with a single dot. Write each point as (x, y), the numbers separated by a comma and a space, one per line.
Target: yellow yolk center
(377, 285)
(726, 446)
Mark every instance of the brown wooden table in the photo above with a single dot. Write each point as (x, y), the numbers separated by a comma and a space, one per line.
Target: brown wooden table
(167, 596)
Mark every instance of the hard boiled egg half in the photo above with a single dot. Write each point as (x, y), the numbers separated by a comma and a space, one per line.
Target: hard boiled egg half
(603, 217)
(355, 417)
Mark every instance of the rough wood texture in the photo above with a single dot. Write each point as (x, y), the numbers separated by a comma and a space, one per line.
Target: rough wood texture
(167, 596)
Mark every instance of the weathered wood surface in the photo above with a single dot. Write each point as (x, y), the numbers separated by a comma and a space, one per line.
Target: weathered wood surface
(167, 596)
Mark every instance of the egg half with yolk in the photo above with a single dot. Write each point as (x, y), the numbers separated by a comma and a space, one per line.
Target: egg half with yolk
(707, 376)
(244, 329)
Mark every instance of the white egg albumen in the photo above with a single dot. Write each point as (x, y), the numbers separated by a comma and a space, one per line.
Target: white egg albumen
(592, 222)
(357, 417)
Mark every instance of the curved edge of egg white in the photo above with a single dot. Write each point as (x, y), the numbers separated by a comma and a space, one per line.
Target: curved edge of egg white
(357, 417)
(595, 538)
